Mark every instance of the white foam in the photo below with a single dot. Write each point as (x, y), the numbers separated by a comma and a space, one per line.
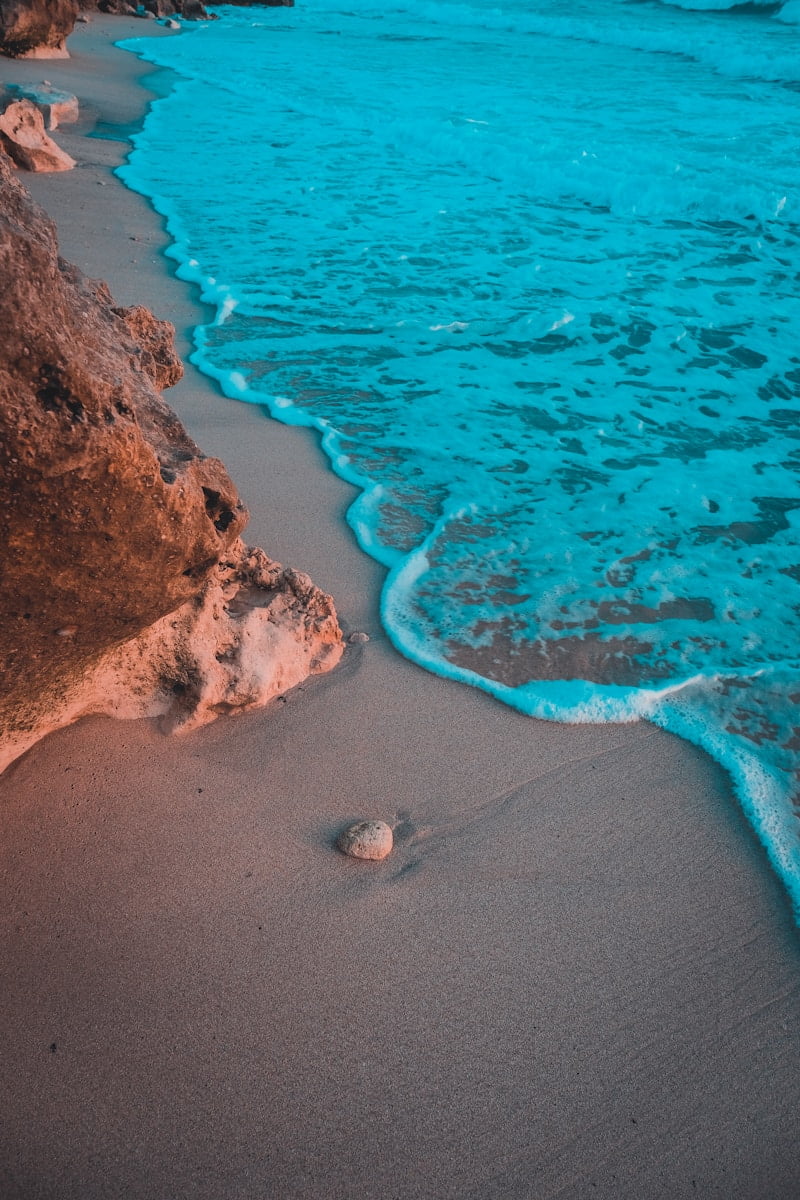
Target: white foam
(237, 384)
(561, 322)
(226, 307)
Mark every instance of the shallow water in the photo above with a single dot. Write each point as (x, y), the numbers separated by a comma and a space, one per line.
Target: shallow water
(533, 272)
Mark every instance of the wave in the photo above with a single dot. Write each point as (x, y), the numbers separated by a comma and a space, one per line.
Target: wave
(743, 6)
(715, 33)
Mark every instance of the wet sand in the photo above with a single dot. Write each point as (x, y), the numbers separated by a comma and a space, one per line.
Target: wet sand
(575, 975)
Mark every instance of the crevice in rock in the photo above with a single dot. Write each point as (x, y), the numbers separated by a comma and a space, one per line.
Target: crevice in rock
(221, 515)
(55, 395)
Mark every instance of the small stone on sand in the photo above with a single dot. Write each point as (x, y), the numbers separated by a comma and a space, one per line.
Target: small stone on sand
(356, 638)
(366, 839)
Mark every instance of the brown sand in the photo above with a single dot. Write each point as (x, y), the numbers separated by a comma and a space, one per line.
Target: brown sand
(575, 976)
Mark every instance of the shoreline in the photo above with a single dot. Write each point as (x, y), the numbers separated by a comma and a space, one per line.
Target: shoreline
(576, 974)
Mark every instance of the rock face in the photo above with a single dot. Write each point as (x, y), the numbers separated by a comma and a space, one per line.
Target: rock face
(23, 138)
(36, 28)
(192, 10)
(252, 632)
(157, 354)
(40, 28)
(124, 586)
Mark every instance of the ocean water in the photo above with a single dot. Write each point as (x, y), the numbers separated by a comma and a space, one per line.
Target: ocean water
(533, 271)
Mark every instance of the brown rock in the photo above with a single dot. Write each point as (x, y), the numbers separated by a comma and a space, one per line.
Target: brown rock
(250, 3)
(165, 8)
(57, 107)
(154, 341)
(190, 9)
(112, 520)
(23, 138)
(254, 631)
(36, 28)
(371, 840)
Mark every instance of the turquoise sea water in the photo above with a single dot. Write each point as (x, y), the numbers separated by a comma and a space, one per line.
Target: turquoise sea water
(533, 271)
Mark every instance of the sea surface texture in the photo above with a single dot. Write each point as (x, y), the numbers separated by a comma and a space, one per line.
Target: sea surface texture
(534, 272)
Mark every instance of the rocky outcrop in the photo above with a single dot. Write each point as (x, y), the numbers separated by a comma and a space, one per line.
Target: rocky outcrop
(39, 28)
(57, 107)
(23, 138)
(155, 340)
(253, 631)
(191, 10)
(250, 3)
(124, 586)
(36, 28)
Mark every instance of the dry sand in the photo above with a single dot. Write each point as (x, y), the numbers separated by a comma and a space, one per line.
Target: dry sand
(575, 976)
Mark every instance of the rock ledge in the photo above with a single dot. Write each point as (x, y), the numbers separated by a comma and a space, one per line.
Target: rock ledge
(125, 587)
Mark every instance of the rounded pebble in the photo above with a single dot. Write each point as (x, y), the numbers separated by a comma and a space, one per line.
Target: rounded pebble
(356, 638)
(366, 839)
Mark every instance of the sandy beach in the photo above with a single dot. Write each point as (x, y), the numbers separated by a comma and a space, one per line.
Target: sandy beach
(575, 976)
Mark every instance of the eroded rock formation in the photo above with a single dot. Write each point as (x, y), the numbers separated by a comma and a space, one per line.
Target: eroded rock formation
(39, 28)
(250, 3)
(124, 585)
(192, 10)
(252, 632)
(36, 28)
(57, 107)
(23, 137)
